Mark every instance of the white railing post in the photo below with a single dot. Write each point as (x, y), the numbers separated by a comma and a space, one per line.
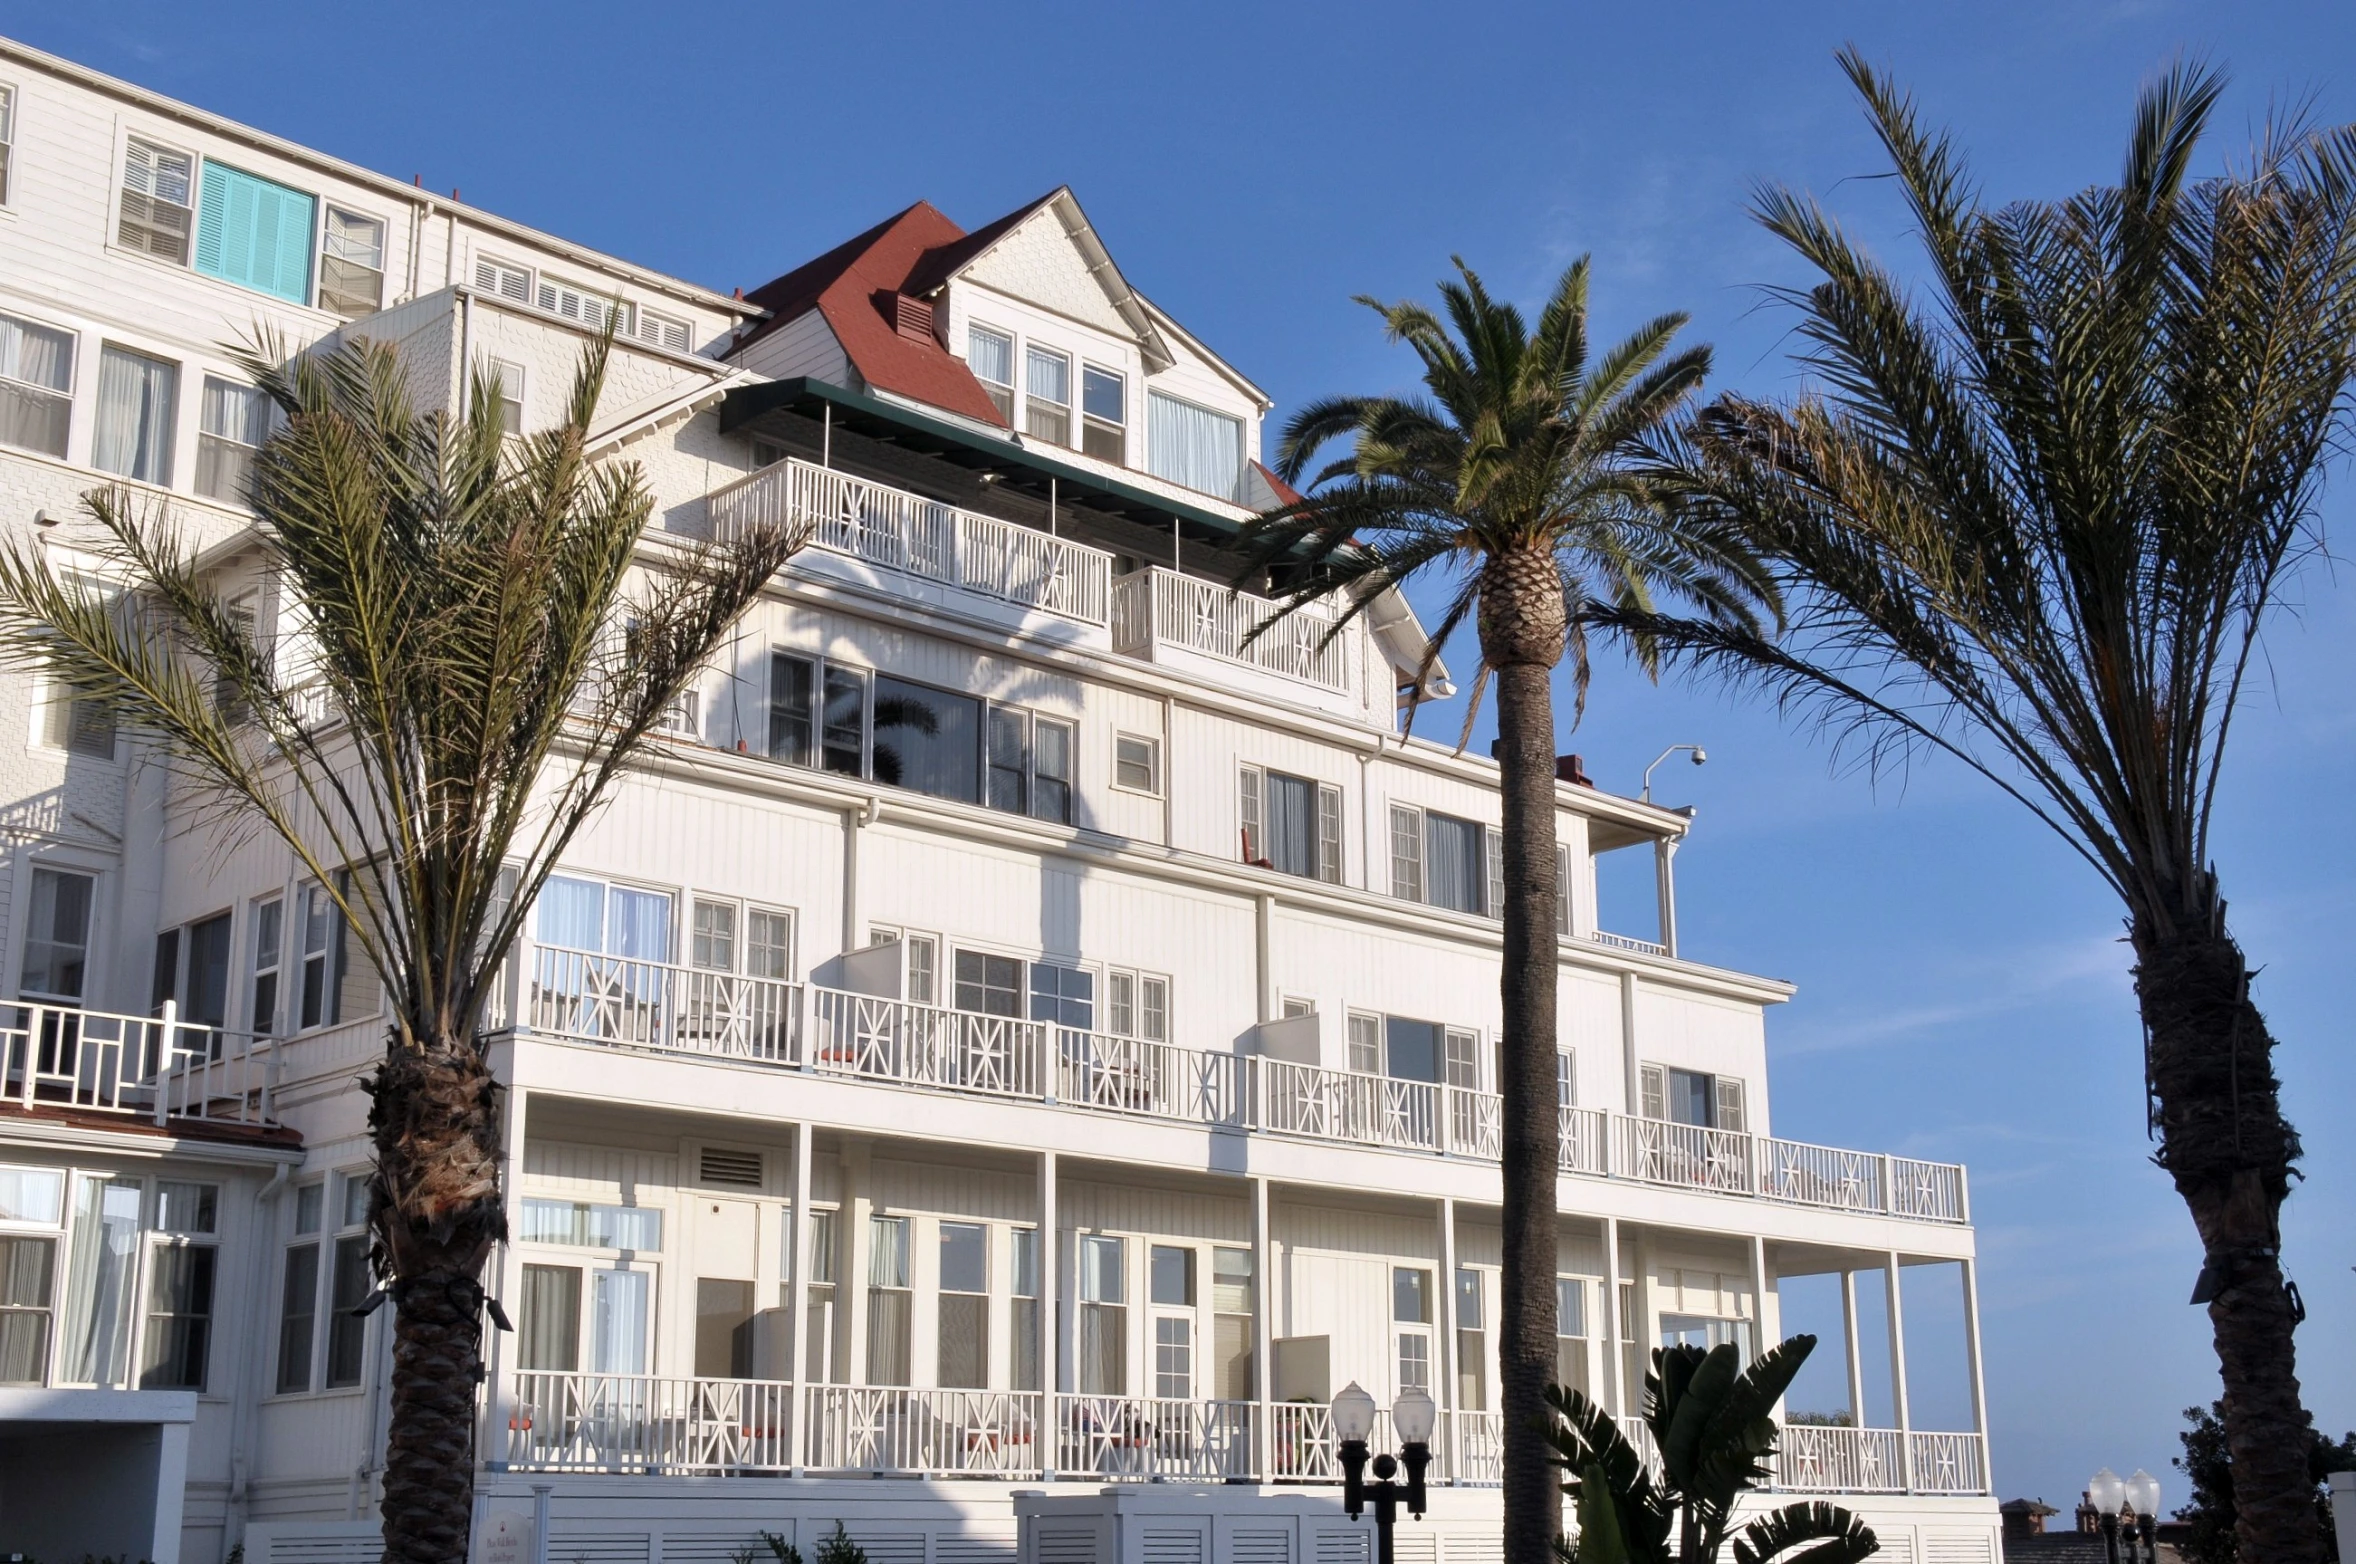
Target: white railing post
(32, 1068)
(1889, 1203)
(166, 1046)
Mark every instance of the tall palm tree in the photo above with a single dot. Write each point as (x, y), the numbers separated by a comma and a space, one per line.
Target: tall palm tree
(472, 657)
(1512, 478)
(2035, 520)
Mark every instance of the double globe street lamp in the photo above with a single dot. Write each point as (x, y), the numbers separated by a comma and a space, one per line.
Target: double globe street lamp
(2139, 1495)
(1413, 1415)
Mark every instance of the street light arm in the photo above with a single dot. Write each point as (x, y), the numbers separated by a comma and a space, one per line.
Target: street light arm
(1700, 757)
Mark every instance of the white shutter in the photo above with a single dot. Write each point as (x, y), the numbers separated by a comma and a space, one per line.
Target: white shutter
(664, 332)
(1406, 853)
(1329, 834)
(509, 282)
(1730, 1114)
(1652, 1091)
(1493, 848)
(1248, 815)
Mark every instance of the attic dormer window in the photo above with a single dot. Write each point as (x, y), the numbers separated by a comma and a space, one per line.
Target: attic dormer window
(1047, 395)
(990, 355)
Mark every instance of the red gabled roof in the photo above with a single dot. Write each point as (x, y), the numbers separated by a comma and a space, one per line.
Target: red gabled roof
(843, 285)
(938, 266)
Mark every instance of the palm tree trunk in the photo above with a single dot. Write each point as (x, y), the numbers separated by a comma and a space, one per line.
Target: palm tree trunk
(1521, 625)
(436, 1212)
(2224, 1141)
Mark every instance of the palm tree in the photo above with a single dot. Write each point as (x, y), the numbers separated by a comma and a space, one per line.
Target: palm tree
(2036, 521)
(475, 656)
(1712, 1420)
(1514, 480)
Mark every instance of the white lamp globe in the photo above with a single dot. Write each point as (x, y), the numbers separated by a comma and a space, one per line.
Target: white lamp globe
(1353, 1413)
(1414, 1415)
(2104, 1490)
(2143, 1492)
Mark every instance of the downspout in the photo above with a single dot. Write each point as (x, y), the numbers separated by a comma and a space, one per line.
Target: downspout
(244, 1409)
(464, 367)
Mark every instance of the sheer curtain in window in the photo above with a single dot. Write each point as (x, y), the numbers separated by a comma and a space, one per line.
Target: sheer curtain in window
(104, 1247)
(618, 1323)
(136, 395)
(1193, 446)
(1453, 874)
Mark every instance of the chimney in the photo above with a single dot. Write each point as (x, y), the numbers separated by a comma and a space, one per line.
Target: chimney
(1571, 769)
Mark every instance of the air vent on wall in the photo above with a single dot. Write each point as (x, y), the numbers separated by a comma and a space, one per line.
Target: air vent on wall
(736, 1169)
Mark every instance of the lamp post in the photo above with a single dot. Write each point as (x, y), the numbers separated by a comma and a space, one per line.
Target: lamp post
(2139, 1496)
(1412, 1417)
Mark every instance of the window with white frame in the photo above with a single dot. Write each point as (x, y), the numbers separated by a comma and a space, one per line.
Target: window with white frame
(55, 964)
(265, 950)
(234, 421)
(1137, 1004)
(1290, 824)
(176, 1336)
(818, 714)
(1405, 1049)
(102, 1239)
(1445, 861)
(1137, 763)
(890, 1315)
(351, 263)
(1193, 446)
(920, 958)
(1104, 414)
(596, 1303)
(1692, 1097)
(1232, 1306)
(1104, 1315)
(1047, 394)
(1562, 890)
(711, 942)
(962, 1361)
(1570, 1333)
(663, 331)
(137, 398)
(7, 137)
(590, 308)
(298, 1297)
(1170, 1287)
(1023, 1318)
(32, 1210)
(504, 380)
(989, 353)
(506, 280)
(1472, 1341)
(920, 737)
(1411, 1320)
(77, 726)
(821, 1364)
(158, 206)
(36, 385)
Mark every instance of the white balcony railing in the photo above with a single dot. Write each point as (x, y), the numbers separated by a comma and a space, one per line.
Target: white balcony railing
(651, 1005)
(900, 531)
(1155, 607)
(158, 1068)
(677, 1426)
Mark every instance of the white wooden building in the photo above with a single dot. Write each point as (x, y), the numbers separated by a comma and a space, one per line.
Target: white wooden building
(1015, 1035)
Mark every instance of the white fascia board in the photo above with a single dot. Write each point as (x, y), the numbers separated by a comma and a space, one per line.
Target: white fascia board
(153, 1147)
(1229, 372)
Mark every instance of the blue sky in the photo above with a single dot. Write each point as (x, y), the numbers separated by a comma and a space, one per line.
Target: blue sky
(1962, 991)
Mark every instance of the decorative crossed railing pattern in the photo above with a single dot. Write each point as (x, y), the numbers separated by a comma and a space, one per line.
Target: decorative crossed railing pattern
(1153, 607)
(157, 1067)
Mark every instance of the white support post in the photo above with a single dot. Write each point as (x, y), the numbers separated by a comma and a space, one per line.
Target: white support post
(1050, 1354)
(1664, 853)
(499, 1404)
(1898, 1368)
(1759, 1341)
(1614, 1360)
(1971, 1348)
(1855, 1348)
(1263, 1370)
(797, 1314)
(167, 1040)
(851, 1286)
(1444, 1327)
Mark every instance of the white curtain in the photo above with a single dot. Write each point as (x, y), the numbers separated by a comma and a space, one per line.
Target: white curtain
(134, 434)
(1453, 873)
(990, 355)
(618, 1323)
(105, 1241)
(571, 914)
(35, 355)
(1193, 446)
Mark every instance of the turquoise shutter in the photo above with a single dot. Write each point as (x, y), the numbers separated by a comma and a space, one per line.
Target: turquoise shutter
(255, 233)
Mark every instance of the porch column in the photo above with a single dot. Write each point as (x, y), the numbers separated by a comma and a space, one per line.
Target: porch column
(1046, 1252)
(1444, 1328)
(1263, 1369)
(1971, 1349)
(1854, 1347)
(500, 1406)
(1759, 1343)
(1664, 853)
(1614, 1359)
(1898, 1369)
(852, 1287)
(797, 1314)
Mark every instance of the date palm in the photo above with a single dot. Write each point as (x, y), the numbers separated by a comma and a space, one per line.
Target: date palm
(469, 657)
(1711, 1418)
(2036, 519)
(1512, 479)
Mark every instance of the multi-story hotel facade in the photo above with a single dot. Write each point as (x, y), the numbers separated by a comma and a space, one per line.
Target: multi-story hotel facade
(1018, 1042)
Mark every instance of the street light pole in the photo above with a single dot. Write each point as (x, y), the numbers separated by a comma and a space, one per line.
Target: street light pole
(1412, 1418)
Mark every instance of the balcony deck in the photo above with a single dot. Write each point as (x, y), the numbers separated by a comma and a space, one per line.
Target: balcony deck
(653, 1007)
(155, 1070)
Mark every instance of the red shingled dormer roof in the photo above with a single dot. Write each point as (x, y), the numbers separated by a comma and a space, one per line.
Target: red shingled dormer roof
(851, 285)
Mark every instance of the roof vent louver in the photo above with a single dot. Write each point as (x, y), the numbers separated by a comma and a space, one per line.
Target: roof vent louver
(910, 317)
(733, 1169)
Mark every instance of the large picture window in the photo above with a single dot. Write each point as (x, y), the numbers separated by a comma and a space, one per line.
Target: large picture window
(1193, 446)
